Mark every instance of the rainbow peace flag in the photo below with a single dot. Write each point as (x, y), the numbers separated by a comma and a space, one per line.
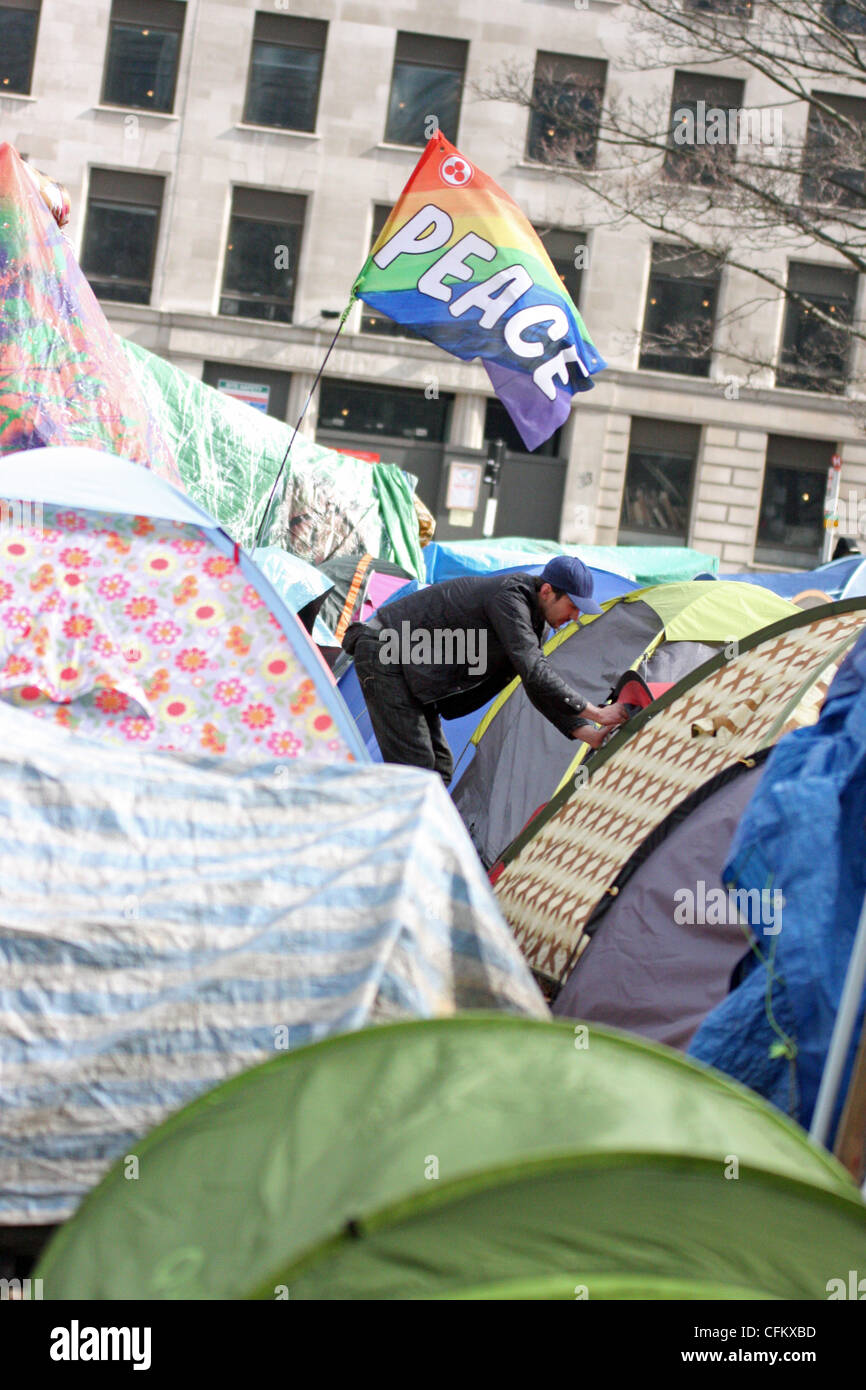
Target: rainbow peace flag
(459, 263)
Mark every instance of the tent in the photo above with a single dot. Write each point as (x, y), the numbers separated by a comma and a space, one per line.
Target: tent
(477, 1157)
(167, 922)
(802, 834)
(553, 874)
(643, 564)
(126, 613)
(662, 632)
(65, 378)
(837, 579)
(302, 587)
(360, 583)
(657, 959)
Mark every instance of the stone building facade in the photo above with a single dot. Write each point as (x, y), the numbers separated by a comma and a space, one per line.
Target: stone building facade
(168, 122)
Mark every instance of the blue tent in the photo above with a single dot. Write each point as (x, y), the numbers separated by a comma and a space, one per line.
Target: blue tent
(802, 836)
(834, 579)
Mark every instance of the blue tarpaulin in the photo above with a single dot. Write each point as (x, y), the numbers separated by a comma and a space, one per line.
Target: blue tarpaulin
(803, 835)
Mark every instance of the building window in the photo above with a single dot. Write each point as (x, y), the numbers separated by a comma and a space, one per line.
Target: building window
(285, 71)
(739, 9)
(836, 130)
(657, 496)
(427, 81)
(814, 354)
(568, 252)
(567, 96)
(705, 127)
(498, 424)
(680, 311)
(851, 19)
(123, 212)
(262, 254)
(791, 520)
(19, 20)
(358, 408)
(143, 50)
(372, 321)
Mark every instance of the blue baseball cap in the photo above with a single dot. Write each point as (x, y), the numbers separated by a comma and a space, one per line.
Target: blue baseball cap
(571, 574)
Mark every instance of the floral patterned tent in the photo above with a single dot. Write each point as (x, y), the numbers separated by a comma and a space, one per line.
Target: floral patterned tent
(127, 614)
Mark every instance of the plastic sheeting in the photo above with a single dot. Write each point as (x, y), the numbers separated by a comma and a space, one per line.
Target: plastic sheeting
(228, 455)
(645, 564)
(165, 924)
(801, 836)
(63, 376)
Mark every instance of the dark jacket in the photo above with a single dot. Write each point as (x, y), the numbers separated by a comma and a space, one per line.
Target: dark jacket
(505, 608)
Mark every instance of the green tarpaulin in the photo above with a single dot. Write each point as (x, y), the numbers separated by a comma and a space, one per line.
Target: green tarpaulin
(228, 456)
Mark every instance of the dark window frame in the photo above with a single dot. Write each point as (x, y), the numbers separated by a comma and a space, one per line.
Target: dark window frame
(273, 29)
(591, 84)
(408, 394)
(837, 11)
(804, 377)
(698, 164)
(795, 457)
(822, 134)
(119, 189)
(24, 7)
(134, 14)
(652, 439)
(723, 9)
(704, 272)
(275, 207)
(416, 50)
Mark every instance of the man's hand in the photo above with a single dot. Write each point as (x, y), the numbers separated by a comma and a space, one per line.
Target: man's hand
(608, 716)
(587, 734)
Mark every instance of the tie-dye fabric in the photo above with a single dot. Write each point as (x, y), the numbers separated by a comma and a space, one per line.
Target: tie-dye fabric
(140, 632)
(64, 378)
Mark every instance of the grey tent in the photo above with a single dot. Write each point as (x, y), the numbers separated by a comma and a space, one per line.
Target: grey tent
(663, 633)
(649, 966)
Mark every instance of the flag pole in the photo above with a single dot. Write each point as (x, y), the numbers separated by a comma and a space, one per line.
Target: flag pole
(267, 511)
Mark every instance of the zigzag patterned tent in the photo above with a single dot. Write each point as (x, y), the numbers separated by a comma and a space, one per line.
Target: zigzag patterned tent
(556, 870)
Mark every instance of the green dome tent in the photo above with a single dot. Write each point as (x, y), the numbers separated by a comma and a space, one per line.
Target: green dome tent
(474, 1157)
